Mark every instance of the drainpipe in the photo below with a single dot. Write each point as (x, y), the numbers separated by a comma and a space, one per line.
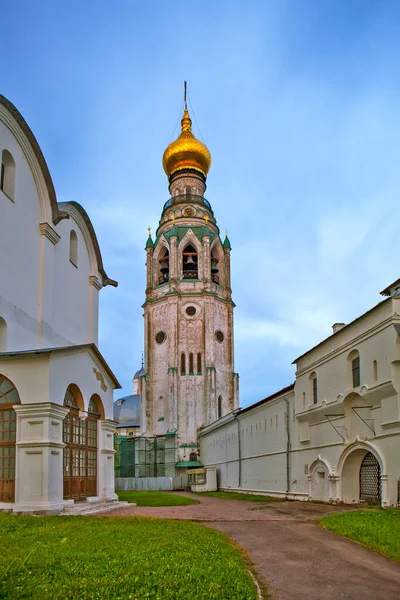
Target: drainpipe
(288, 446)
(235, 413)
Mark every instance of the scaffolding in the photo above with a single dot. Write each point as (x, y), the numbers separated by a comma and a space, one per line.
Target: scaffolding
(145, 457)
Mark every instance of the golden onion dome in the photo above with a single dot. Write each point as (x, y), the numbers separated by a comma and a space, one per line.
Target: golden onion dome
(186, 152)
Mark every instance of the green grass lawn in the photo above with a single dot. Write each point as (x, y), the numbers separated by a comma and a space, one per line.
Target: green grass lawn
(155, 498)
(376, 529)
(239, 496)
(82, 558)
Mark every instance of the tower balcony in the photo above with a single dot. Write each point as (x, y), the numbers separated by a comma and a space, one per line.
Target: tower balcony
(187, 199)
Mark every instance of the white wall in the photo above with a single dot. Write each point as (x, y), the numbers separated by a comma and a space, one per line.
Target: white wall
(44, 299)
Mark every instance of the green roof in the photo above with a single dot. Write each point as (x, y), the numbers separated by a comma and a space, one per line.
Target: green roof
(226, 243)
(149, 243)
(189, 463)
(181, 230)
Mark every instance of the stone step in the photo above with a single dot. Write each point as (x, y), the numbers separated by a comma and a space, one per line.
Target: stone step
(91, 508)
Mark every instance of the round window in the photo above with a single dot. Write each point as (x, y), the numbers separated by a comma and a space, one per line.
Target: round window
(220, 336)
(190, 311)
(160, 337)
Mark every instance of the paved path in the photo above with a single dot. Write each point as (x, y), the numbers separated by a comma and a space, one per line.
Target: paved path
(298, 559)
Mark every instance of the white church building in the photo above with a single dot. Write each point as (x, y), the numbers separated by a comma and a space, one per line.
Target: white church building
(56, 389)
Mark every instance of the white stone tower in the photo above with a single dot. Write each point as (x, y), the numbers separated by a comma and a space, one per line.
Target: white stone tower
(189, 378)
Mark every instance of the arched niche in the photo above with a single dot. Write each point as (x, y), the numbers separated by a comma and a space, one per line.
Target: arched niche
(319, 481)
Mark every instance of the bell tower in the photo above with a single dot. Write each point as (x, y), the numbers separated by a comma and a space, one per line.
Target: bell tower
(189, 378)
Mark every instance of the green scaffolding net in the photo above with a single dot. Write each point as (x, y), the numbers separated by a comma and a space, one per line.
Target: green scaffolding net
(145, 457)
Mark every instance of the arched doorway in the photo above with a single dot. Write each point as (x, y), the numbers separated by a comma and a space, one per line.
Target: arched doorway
(80, 452)
(370, 480)
(8, 428)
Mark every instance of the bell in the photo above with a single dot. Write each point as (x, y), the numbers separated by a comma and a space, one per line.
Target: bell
(189, 265)
(214, 268)
(164, 267)
(189, 260)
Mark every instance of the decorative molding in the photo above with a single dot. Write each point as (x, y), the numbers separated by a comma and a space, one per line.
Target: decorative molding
(95, 282)
(99, 377)
(49, 232)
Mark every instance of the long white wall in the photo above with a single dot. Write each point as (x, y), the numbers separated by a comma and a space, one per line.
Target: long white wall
(296, 445)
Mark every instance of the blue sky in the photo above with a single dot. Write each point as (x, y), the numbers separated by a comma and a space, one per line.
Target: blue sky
(298, 102)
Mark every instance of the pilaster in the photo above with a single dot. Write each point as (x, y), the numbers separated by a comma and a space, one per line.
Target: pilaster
(105, 484)
(39, 457)
(173, 257)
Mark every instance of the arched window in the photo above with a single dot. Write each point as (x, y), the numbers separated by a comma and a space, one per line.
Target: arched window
(190, 263)
(199, 364)
(163, 261)
(191, 365)
(80, 451)
(354, 368)
(3, 335)
(7, 174)
(183, 364)
(93, 407)
(8, 427)
(73, 248)
(214, 267)
(219, 408)
(314, 388)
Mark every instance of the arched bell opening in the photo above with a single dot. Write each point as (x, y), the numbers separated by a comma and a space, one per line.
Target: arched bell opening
(8, 428)
(163, 262)
(214, 267)
(190, 265)
(80, 437)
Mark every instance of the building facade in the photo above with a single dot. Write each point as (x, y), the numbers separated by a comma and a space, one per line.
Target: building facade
(56, 390)
(334, 435)
(189, 378)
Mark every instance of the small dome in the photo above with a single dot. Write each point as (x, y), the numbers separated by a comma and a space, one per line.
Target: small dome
(186, 152)
(127, 410)
(139, 373)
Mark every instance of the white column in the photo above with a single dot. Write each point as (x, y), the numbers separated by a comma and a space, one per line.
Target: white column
(39, 457)
(105, 465)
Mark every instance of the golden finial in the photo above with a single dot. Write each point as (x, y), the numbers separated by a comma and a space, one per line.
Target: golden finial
(149, 230)
(207, 218)
(186, 152)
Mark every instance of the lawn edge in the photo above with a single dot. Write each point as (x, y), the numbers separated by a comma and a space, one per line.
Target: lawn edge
(395, 560)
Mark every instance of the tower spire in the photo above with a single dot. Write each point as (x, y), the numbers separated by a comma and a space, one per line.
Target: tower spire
(184, 93)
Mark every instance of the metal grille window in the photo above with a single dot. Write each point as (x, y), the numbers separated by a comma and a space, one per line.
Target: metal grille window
(355, 369)
(370, 480)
